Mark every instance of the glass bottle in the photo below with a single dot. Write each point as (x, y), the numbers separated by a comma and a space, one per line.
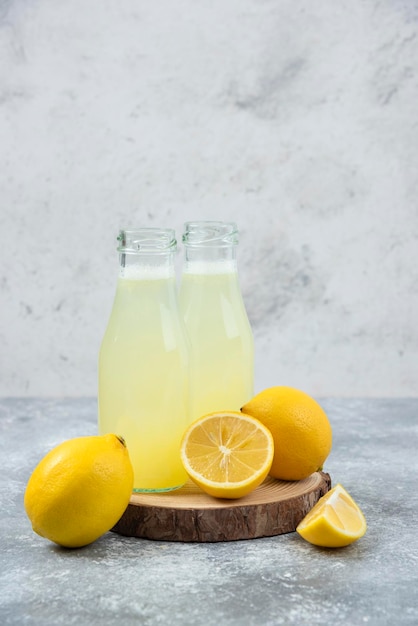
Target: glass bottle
(144, 361)
(222, 346)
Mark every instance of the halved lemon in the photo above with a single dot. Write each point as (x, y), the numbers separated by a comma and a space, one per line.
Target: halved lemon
(228, 454)
(334, 522)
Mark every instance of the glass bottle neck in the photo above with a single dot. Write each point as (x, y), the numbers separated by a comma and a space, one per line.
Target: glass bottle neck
(146, 254)
(210, 247)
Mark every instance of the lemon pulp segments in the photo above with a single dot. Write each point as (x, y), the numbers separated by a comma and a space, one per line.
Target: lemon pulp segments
(227, 454)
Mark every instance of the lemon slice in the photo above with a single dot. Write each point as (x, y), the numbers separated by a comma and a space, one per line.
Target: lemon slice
(227, 454)
(335, 520)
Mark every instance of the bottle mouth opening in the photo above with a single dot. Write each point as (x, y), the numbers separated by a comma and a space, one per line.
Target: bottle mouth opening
(147, 241)
(210, 234)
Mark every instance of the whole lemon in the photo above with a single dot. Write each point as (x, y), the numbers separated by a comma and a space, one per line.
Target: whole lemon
(80, 489)
(301, 430)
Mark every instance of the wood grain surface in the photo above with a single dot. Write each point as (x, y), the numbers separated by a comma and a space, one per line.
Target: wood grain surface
(190, 515)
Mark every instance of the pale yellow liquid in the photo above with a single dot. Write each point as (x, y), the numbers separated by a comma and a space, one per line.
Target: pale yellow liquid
(143, 381)
(220, 337)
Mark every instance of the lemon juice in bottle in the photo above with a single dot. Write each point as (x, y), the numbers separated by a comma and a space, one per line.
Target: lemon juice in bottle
(222, 350)
(143, 362)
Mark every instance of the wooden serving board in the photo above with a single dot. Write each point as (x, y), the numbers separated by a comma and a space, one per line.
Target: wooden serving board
(188, 514)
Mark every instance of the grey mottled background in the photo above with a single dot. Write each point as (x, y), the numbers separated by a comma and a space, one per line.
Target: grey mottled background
(298, 120)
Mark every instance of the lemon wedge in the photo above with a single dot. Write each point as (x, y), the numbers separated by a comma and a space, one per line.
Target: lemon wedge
(334, 522)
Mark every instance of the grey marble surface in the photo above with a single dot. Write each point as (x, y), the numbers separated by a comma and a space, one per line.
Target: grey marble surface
(297, 120)
(263, 582)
